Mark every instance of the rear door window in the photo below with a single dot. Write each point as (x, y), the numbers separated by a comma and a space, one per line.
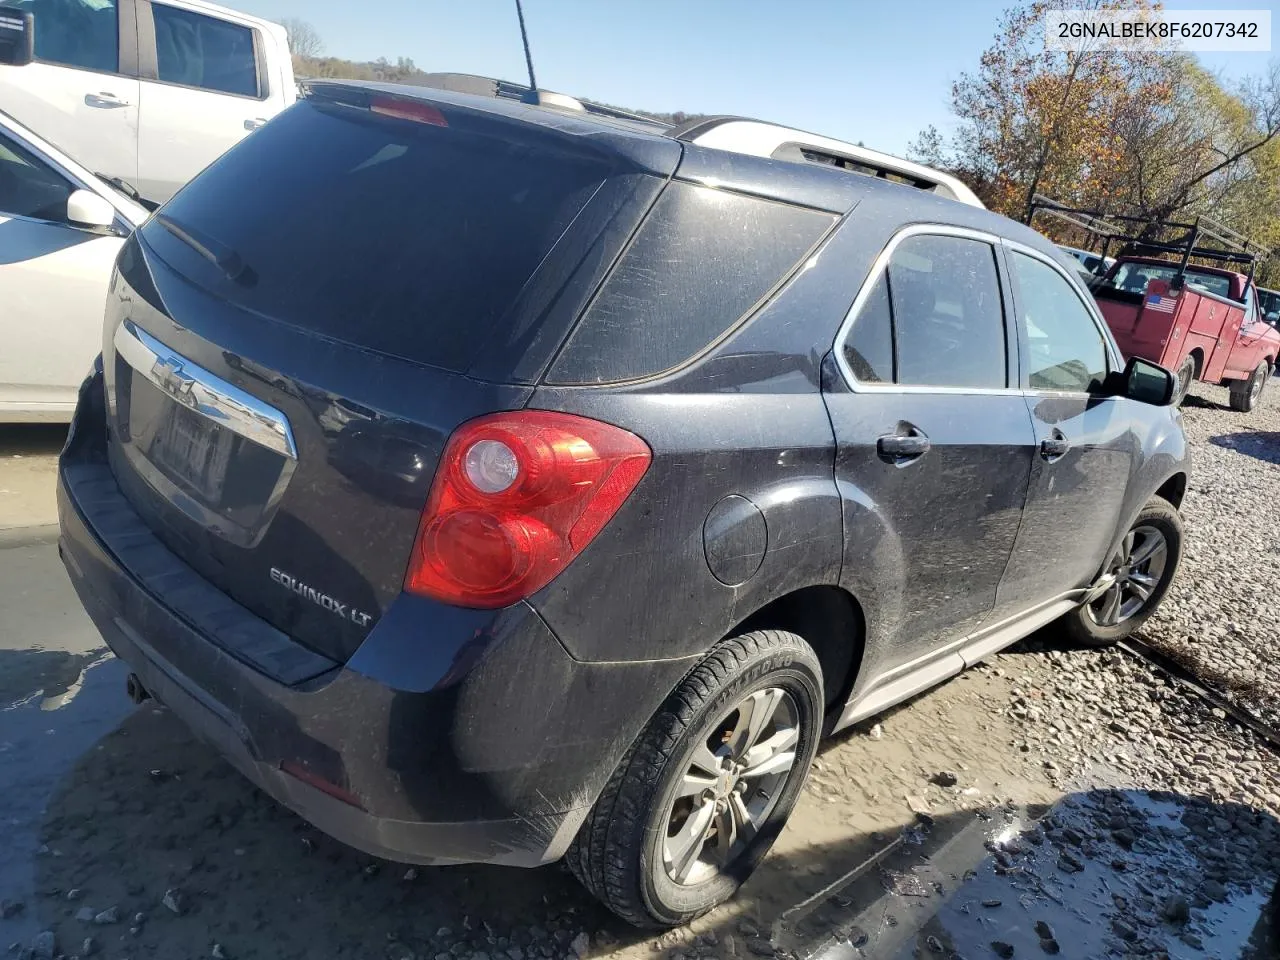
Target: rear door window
(206, 52)
(868, 350)
(947, 313)
(700, 262)
(409, 238)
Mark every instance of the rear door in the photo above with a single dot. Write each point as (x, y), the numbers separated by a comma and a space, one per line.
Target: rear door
(81, 91)
(1085, 447)
(205, 85)
(933, 438)
(53, 275)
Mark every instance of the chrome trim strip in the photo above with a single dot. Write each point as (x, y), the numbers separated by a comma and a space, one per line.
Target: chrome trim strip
(877, 268)
(206, 393)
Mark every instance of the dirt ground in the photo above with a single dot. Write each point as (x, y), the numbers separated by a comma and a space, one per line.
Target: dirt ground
(28, 460)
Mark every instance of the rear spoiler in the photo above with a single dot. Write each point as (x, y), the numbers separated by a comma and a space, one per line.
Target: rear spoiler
(1109, 228)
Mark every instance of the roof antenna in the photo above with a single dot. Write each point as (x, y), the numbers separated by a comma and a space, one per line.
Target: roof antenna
(532, 95)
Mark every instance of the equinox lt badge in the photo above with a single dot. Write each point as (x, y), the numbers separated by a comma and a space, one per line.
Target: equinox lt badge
(343, 610)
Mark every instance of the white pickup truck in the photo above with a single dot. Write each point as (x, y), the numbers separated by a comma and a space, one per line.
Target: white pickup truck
(145, 93)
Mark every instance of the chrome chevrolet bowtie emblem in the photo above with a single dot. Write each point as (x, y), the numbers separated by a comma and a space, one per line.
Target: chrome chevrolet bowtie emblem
(168, 375)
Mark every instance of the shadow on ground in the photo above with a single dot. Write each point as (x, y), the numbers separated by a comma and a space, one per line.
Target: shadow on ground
(31, 439)
(150, 811)
(1262, 445)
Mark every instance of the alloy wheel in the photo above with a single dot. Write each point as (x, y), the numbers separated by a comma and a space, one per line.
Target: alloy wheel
(733, 777)
(1131, 578)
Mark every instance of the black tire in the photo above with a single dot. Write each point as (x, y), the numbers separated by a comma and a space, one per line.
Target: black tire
(1245, 394)
(1082, 627)
(618, 854)
(1186, 373)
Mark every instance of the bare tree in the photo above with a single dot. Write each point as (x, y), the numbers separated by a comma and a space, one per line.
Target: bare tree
(304, 41)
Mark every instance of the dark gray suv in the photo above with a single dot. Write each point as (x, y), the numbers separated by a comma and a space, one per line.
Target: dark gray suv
(498, 483)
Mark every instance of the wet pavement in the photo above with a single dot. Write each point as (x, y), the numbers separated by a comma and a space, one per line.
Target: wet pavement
(942, 830)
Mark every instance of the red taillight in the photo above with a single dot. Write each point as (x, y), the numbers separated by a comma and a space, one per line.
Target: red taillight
(516, 497)
(408, 110)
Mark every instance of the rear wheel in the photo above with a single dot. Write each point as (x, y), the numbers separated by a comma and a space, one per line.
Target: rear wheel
(699, 799)
(1186, 373)
(1134, 581)
(1245, 394)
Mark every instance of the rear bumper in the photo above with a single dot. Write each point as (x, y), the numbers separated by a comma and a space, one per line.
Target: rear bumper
(450, 736)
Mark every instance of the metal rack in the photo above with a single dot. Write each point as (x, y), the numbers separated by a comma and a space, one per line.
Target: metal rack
(1236, 248)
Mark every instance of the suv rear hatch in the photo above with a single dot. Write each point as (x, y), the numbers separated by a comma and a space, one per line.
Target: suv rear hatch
(291, 339)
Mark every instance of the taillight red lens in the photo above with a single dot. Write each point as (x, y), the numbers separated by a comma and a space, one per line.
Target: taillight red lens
(516, 497)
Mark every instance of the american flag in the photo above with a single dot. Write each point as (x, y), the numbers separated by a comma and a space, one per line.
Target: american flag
(1161, 304)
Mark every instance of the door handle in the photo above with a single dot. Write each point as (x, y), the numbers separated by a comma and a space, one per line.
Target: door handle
(104, 100)
(253, 123)
(897, 448)
(1051, 448)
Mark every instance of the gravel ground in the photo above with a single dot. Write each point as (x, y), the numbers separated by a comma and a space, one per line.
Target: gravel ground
(1222, 617)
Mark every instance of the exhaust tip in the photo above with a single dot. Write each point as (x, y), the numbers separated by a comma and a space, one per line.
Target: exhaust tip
(134, 688)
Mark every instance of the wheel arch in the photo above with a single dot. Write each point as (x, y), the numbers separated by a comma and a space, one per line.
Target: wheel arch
(831, 621)
(1197, 357)
(1173, 489)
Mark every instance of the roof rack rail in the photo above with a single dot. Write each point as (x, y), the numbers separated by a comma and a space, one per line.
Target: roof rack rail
(762, 139)
(1109, 228)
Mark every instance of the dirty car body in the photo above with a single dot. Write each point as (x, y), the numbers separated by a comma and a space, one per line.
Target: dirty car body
(248, 494)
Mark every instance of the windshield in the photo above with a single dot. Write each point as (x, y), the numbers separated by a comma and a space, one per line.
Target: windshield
(1134, 277)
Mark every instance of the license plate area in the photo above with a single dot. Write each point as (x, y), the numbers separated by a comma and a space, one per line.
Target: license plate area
(194, 452)
(226, 484)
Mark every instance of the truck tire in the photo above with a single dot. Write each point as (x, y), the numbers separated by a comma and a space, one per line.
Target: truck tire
(1245, 394)
(632, 852)
(1186, 373)
(1136, 578)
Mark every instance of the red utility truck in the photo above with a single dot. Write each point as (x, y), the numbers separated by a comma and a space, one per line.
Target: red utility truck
(1203, 322)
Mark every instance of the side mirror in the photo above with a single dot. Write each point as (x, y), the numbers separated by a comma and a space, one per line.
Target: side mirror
(1145, 382)
(17, 37)
(87, 209)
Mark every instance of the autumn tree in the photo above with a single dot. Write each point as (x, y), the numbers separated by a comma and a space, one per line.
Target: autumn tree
(1035, 120)
(304, 39)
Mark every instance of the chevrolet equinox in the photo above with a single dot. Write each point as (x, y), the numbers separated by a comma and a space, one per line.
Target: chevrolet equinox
(493, 482)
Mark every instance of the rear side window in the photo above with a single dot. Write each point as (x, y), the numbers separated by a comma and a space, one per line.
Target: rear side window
(199, 51)
(701, 260)
(409, 238)
(934, 318)
(75, 33)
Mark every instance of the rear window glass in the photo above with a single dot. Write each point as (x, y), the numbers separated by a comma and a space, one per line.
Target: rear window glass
(701, 260)
(404, 237)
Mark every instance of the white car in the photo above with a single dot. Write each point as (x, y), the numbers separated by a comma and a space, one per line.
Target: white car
(60, 230)
(149, 93)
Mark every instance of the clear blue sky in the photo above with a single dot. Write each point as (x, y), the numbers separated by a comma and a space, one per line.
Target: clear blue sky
(871, 70)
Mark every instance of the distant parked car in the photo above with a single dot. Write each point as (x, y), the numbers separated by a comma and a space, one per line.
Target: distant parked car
(148, 93)
(493, 482)
(1094, 263)
(60, 231)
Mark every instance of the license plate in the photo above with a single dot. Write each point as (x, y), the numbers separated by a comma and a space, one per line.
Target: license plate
(194, 451)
